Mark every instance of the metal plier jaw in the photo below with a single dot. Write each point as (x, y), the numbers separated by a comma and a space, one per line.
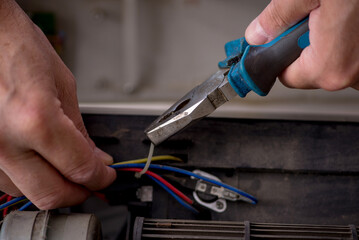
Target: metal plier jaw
(203, 99)
(198, 103)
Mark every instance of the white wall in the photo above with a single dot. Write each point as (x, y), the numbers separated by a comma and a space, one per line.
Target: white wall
(179, 43)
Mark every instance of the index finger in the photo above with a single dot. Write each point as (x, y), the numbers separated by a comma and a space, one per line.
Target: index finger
(55, 137)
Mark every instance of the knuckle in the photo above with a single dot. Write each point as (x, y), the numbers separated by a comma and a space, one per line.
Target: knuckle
(336, 79)
(49, 200)
(82, 174)
(279, 18)
(312, 4)
(81, 127)
(334, 83)
(34, 120)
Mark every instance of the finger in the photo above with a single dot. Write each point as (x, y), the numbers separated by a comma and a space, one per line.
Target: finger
(66, 90)
(66, 93)
(54, 136)
(326, 63)
(41, 183)
(278, 16)
(7, 186)
(356, 86)
(299, 74)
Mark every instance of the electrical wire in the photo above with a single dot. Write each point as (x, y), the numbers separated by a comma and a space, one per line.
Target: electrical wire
(143, 160)
(251, 199)
(12, 202)
(138, 166)
(148, 162)
(26, 205)
(154, 158)
(163, 181)
(183, 203)
(3, 197)
(178, 195)
(4, 213)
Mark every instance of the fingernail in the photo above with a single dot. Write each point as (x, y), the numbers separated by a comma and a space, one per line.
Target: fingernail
(105, 158)
(255, 34)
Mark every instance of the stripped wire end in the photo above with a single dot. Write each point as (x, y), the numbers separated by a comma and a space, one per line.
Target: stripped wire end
(149, 158)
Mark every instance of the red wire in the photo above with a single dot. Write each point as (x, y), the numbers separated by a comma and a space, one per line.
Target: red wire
(159, 178)
(100, 196)
(4, 213)
(2, 198)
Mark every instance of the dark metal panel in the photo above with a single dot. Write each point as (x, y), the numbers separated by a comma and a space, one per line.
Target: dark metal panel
(301, 172)
(236, 143)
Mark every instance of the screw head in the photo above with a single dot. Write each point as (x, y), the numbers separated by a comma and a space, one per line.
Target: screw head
(219, 205)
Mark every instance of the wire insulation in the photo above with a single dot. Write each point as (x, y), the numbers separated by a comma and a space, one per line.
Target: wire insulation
(12, 202)
(4, 213)
(141, 168)
(3, 197)
(154, 158)
(26, 205)
(162, 180)
(183, 203)
(252, 199)
(148, 163)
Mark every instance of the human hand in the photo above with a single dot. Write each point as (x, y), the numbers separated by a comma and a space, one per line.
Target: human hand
(45, 151)
(331, 61)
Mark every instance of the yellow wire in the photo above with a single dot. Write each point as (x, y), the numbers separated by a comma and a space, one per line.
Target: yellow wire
(155, 158)
(23, 200)
(142, 160)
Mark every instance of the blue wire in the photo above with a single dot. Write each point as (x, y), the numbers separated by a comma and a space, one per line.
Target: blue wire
(26, 205)
(185, 172)
(15, 200)
(183, 203)
(155, 166)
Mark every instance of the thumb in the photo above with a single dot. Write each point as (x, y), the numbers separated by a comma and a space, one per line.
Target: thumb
(277, 17)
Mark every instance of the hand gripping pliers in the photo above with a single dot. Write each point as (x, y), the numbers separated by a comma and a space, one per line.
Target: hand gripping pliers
(246, 68)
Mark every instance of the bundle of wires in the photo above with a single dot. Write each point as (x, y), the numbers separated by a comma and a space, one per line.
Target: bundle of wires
(129, 166)
(12, 202)
(177, 194)
(138, 166)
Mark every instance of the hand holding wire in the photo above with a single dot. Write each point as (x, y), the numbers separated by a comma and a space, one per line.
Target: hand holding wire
(139, 166)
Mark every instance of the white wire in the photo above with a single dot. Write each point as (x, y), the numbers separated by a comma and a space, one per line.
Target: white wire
(149, 158)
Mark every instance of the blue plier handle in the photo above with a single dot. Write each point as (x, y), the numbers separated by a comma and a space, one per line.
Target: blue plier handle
(256, 67)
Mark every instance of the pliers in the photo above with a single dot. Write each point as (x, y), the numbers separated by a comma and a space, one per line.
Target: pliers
(246, 68)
